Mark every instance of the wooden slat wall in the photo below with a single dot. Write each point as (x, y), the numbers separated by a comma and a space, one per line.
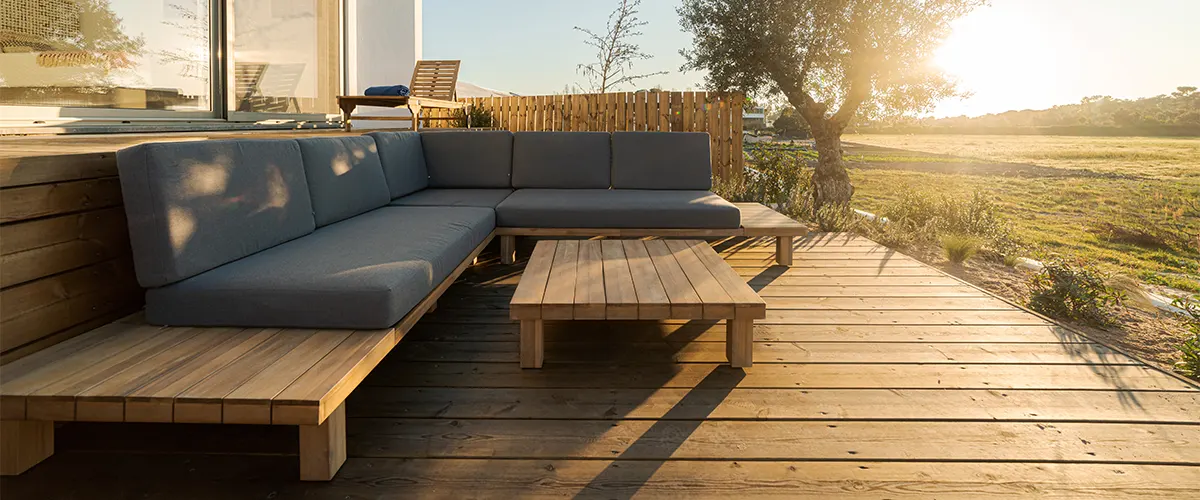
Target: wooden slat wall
(65, 265)
(718, 114)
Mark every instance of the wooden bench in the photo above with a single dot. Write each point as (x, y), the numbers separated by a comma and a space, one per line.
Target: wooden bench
(633, 280)
(433, 86)
(130, 371)
(757, 221)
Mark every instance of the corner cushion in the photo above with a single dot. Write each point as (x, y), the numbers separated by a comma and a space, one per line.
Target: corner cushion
(403, 161)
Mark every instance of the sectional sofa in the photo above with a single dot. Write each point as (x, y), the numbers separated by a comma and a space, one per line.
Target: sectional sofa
(354, 231)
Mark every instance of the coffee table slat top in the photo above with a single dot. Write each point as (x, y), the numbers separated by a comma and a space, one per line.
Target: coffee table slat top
(632, 279)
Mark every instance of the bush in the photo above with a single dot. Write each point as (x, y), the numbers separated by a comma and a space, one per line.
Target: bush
(780, 179)
(1189, 350)
(959, 248)
(480, 118)
(1074, 291)
(929, 217)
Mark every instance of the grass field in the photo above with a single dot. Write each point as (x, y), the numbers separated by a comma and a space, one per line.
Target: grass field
(1130, 204)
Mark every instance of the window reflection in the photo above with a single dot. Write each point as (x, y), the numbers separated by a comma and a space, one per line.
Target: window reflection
(286, 56)
(127, 54)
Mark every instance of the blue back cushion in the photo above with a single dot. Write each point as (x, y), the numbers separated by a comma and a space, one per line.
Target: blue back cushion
(193, 206)
(403, 161)
(661, 160)
(345, 177)
(561, 160)
(480, 159)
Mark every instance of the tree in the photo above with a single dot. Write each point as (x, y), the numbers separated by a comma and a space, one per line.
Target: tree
(831, 59)
(615, 50)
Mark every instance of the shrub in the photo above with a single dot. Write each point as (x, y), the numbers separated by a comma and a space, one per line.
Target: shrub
(1189, 350)
(778, 178)
(1074, 290)
(931, 216)
(480, 118)
(959, 248)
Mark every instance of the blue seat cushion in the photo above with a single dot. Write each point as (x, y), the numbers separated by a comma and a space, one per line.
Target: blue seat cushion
(193, 206)
(486, 198)
(480, 159)
(561, 160)
(617, 208)
(403, 161)
(344, 175)
(365, 272)
(661, 160)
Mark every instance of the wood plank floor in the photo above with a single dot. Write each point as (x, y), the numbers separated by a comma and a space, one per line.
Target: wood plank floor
(875, 377)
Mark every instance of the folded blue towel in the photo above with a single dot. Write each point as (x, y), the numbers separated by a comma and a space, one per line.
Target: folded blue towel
(388, 90)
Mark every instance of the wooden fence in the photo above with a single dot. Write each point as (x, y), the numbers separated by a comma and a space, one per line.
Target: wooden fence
(719, 114)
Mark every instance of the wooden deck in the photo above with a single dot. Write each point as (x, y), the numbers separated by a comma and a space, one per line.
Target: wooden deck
(875, 376)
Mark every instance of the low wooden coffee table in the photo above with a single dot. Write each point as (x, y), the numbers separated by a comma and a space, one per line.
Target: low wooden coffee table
(633, 280)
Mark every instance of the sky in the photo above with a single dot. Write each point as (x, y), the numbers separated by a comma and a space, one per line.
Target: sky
(1013, 54)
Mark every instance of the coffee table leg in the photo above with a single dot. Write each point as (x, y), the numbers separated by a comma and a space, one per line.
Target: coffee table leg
(532, 343)
(739, 342)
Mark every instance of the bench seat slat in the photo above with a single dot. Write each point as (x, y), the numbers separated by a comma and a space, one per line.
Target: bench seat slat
(201, 403)
(250, 403)
(318, 392)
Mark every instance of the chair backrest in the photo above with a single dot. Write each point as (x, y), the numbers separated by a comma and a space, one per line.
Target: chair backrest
(435, 80)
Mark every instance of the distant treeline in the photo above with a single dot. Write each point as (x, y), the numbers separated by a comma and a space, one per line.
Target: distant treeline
(1175, 114)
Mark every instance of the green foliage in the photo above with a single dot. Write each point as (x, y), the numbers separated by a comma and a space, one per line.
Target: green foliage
(790, 125)
(1189, 350)
(960, 248)
(480, 118)
(1074, 290)
(918, 216)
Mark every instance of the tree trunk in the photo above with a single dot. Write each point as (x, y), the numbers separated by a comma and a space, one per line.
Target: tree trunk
(831, 183)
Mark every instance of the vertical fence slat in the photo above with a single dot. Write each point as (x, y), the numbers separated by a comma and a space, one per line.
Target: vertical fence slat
(639, 111)
(735, 149)
(713, 113)
(689, 110)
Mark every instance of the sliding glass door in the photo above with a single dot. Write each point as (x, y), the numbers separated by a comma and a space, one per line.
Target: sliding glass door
(123, 60)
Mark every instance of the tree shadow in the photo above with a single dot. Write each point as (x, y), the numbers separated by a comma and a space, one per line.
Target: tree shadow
(665, 437)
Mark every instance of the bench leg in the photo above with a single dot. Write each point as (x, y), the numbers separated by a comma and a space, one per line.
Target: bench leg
(24, 444)
(532, 343)
(783, 250)
(323, 447)
(508, 249)
(739, 342)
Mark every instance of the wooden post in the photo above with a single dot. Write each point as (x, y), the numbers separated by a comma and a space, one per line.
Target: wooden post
(508, 249)
(532, 343)
(24, 444)
(323, 447)
(739, 342)
(783, 250)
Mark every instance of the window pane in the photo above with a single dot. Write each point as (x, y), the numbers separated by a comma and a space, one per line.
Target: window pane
(130, 54)
(286, 55)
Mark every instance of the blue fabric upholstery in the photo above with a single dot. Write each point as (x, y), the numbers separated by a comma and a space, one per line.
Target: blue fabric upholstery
(193, 206)
(403, 161)
(661, 160)
(345, 177)
(485, 198)
(562, 160)
(617, 208)
(365, 272)
(480, 159)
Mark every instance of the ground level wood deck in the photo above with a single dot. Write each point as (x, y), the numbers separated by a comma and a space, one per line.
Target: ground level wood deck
(875, 376)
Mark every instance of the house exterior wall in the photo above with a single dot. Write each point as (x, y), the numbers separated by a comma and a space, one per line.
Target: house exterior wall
(383, 44)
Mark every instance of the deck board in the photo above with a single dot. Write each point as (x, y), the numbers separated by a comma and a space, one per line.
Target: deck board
(874, 377)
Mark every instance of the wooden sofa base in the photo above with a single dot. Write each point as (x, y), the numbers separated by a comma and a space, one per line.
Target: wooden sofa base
(128, 356)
